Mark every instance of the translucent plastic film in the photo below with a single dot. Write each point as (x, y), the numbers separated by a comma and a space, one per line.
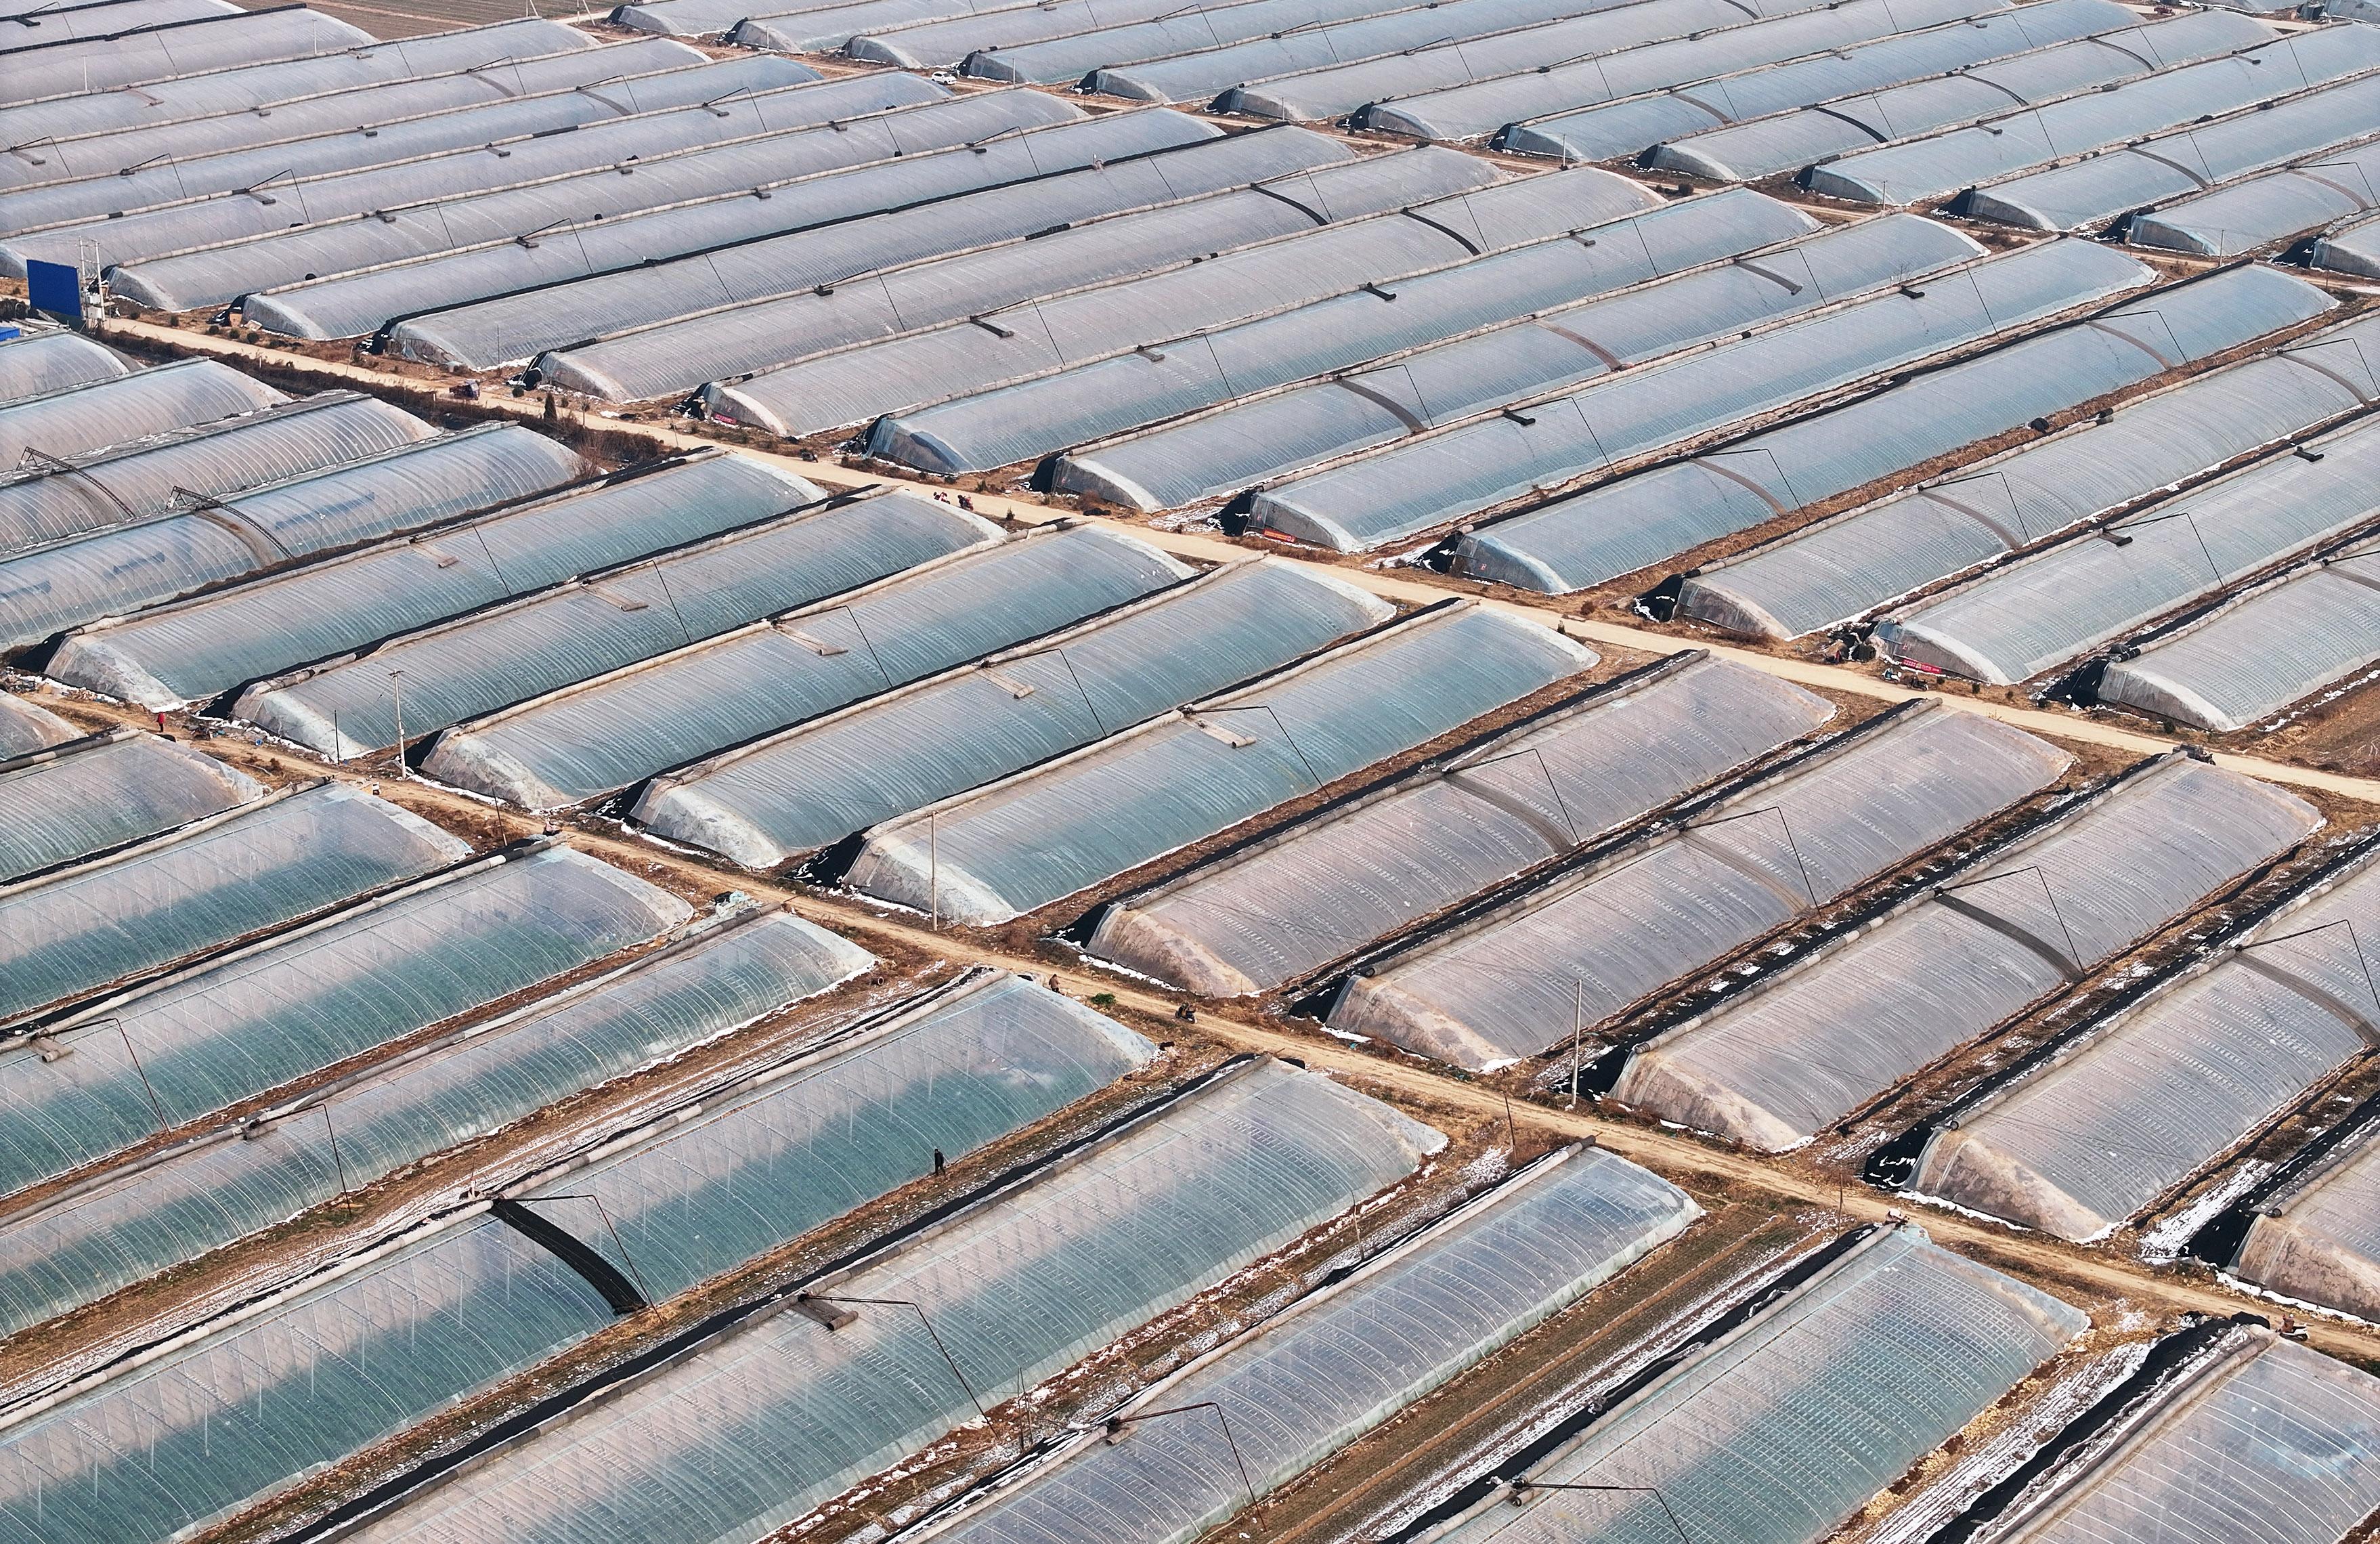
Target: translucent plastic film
(101, 793)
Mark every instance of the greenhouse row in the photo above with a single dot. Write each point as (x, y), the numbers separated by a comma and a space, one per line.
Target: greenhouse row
(1285, 908)
(66, 795)
(1507, 982)
(1811, 1043)
(2310, 1232)
(1838, 568)
(232, 1411)
(104, 61)
(1017, 845)
(2328, 189)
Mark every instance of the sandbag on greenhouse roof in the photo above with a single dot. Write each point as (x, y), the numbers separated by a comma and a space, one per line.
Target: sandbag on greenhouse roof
(81, 797)
(1326, 1370)
(1854, 1017)
(720, 978)
(233, 1027)
(750, 1430)
(261, 865)
(1251, 920)
(1049, 832)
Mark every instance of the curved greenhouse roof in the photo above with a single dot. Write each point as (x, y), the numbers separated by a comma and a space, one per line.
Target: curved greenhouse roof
(83, 796)
(2301, 199)
(105, 61)
(1252, 921)
(38, 363)
(79, 419)
(2318, 1239)
(26, 728)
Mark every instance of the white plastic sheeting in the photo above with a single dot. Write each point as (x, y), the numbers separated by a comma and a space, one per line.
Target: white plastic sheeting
(105, 61)
(85, 418)
(1028, 840)
(1250, 921)
(2318, 1241)
(86, 795)
(1540, 968)
(1778, 1431)
(35, 364)
(757, 1428)
(1847, 1022)
(2319, 191)
(26, 728)
(1326, 1370)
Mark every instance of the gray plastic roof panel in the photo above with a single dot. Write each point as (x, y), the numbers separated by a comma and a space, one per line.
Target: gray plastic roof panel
(2087, 195)
(1657, 515)
(517, 326)
(948, 43)
(856, 1117)
(1450, 473)
(1789, 141)
(2351, 248)
(1248, 442)
(85, 796)
(1851, 1019)
(755, 1429)
(617, 729)
(35, 364)
(223, 1419)
(125, 568)
(837, 28)
(124, 483)
(1498, 87)
(418, 682)
(55, 23)
(26, 727)
(234, 1025)
(1169, 375)
(717, 346)
(2258, 654)
(359, 74)
(832, 25)
(2132, 1106)
(259, 865)
(194, 199)
(1782, 1428)
(224, 123)
(1512, 981)
(1939, 164)
(1064, 60)
(91, 1241)
(790, 794)
(2273, 1443)
(80, 419)
(185, 653)
(1870, 557)
(570, 212)
(1026, 841)
(2305, 198)
(2043, 611)
(364, 300)
(2319, 1241)
(104, 61)
(1639, 123)
(1335, 1364)
(1253, 921)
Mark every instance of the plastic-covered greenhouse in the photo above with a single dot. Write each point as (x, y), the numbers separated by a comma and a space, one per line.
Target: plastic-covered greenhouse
(2354, 247)
(788, 795)
(1867, 557)
(2318, 1239)
(1770, 119)
(1068, 58)
(2262, 1442)
(1251, 920)
(619, 728)
(107, 61)
(26, 728)
(128, 483)
(517, 326)
(757, 1428)
(1780, 1430)
(2259, 653)
(60, 22)
(1429, 383)
(1475, 91)
(1938, 165)
(1510, 982)
(1450, 473)
(1326, 1370)
(95, 1239)
(86, 795)
(2130, 1107)
(120, 570)
(1849, 1019)
(1649, 519)
(1282, 278)
(2043, 611)
(167, 656)
(2301, 200)
(258, 865)
(1042, 835)
(679, 353)
(106, 412)
(423, 681)
(236, 1026)
(38, 363)
(397, 271)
